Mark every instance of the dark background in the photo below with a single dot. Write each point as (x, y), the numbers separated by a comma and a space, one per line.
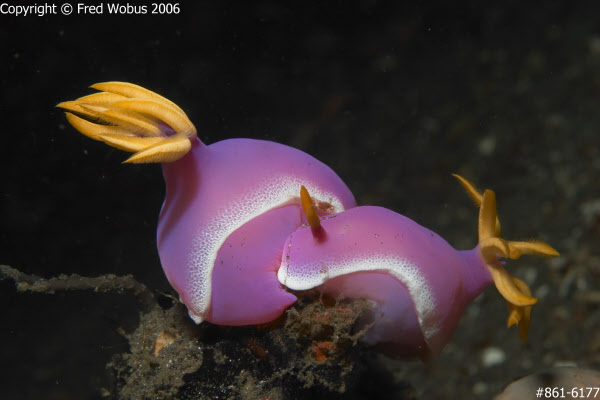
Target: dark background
(394, 96)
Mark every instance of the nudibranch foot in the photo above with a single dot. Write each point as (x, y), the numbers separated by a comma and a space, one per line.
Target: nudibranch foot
(492, 247)
(134, 119)
(391, 322)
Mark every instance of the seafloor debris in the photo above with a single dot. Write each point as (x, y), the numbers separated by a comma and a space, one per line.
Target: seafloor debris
(274, 361)
(309, 353)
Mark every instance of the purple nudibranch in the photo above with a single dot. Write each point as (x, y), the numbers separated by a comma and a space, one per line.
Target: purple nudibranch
(239, 229)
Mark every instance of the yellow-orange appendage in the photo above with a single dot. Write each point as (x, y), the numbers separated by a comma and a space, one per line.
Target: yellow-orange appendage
(312, 217)
(309, 209)
(132, 118)
(492, 247)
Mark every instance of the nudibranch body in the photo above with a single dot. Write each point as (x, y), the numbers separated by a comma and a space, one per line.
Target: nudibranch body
(238, 228)
(419, 284)
(229, 206)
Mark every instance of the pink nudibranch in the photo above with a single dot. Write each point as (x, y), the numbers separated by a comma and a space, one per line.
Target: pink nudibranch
(229, 206)
(418, 274)
(208, 233)
(232, 233)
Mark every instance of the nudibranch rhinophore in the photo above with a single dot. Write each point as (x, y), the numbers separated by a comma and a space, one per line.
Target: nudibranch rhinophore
(229, 206)
(239, 231)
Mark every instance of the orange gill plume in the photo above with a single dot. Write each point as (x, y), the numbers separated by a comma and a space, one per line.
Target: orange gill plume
(131, 118)
(492, 247)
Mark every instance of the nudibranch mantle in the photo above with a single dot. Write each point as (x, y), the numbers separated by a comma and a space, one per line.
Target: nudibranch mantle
(368, 240)
(214, 190)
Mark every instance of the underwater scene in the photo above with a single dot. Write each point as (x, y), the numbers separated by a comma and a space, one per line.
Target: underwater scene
(300, 200)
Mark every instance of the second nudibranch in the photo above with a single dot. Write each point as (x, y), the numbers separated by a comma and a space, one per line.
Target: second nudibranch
(419, 284)
(239, 227)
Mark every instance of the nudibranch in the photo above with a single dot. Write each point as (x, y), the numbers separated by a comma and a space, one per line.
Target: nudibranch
(229, 206)
(418, 283)
(238, 231)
